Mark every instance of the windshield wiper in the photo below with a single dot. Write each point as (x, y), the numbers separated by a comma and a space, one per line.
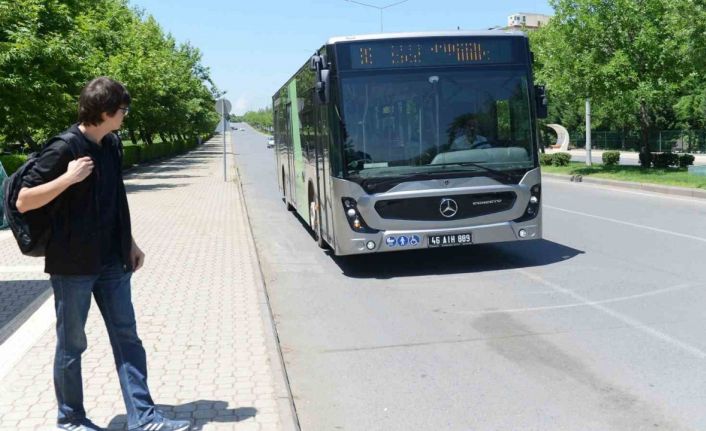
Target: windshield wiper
(478, 165)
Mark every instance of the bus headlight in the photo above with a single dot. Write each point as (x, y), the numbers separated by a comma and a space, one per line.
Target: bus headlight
(355, 220)
(370, 245)
(533, 205)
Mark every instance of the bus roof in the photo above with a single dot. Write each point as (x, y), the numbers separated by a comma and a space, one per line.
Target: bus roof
(448, 33)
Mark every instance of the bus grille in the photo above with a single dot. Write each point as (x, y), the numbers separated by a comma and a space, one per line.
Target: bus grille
(430, 208)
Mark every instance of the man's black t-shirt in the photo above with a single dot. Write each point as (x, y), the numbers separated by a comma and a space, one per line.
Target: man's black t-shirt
(106, 174)
(107, 165)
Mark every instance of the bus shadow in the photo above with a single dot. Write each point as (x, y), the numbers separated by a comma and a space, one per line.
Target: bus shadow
(455, 260)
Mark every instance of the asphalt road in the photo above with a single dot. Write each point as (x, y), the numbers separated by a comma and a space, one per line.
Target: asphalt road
(599, 326)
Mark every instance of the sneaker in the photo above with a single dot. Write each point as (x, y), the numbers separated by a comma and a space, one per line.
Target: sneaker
(161, 423)
(84, 425)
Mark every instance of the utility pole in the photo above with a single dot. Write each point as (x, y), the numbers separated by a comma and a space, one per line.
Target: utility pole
(588, 132)
(223, 107)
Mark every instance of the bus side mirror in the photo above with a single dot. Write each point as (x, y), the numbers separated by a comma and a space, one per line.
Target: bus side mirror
(322, 87)
(314, 62)
(540, 95)
(318, 64)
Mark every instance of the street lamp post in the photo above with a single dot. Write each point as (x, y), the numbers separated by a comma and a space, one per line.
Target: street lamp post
(380, 8)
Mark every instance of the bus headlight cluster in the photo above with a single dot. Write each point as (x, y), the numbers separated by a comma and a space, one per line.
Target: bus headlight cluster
(355, 220)
(533, 205)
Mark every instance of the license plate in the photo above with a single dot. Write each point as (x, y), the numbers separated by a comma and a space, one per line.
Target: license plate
(450, 240)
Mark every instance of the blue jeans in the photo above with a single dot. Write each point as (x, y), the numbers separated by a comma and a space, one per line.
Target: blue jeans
(111, 290)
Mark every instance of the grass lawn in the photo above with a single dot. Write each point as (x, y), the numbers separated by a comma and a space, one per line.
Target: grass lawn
(667, 177)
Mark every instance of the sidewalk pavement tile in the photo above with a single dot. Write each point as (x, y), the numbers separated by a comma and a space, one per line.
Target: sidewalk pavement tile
(197, 307)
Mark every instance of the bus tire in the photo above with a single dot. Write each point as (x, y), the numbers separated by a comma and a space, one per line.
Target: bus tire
(284, 195)
(314, 222)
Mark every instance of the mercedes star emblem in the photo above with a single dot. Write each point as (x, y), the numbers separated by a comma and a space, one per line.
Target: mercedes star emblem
(448, 207)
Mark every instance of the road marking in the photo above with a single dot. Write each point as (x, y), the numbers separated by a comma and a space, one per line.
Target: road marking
(614, 188)
(634, 323)
(21, 268)
(654, 229)
(26, 336)
(584, 304)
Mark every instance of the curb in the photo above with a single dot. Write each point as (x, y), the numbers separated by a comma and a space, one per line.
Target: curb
(654, 188)
(285, 402)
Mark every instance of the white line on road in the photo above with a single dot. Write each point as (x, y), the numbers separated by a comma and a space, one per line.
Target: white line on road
(21, 268)
(584, 304)
(635, 324)
(26, 336)
(640, 226)
(617, 189)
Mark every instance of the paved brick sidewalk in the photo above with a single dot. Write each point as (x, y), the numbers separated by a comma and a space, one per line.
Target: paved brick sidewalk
(201, 312)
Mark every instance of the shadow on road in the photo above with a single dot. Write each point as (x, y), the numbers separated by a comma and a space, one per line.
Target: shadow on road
(455, 260)
(135, 188)
(19, 299)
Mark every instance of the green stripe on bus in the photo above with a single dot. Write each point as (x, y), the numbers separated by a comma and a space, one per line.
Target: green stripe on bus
(300, 197)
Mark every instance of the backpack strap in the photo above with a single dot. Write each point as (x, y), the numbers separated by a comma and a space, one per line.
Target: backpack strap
(71, 139)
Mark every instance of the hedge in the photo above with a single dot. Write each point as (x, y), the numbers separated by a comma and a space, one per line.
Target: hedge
(132, 154)
(611, 158)
(561, 159)
(11, 162)
(546, 159)
(556, 159)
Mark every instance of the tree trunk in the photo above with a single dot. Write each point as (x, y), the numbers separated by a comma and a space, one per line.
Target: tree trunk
(133, 136)
(645, 124)
(164, 137)
(27, 139)
(146, 137)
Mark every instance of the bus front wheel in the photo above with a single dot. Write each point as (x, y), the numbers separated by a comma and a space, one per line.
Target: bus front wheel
(314, 222)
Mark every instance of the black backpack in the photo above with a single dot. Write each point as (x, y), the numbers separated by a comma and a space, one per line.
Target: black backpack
(32, 229)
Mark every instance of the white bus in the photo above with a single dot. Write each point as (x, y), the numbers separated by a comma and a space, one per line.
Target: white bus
(413, 140)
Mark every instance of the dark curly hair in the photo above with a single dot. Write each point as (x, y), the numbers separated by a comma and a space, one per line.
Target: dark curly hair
(102, 94)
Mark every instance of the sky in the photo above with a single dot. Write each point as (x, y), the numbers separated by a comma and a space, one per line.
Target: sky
(252, 47)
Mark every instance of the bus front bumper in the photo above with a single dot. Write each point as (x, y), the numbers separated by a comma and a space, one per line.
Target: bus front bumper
(400, 240)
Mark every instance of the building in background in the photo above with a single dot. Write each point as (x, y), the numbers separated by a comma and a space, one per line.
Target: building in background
(530, 21)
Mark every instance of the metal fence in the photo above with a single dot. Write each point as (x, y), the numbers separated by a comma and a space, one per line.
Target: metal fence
(3, 175)
(676, 141)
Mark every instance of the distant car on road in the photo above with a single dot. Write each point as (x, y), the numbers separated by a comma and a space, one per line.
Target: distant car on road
(270, 142)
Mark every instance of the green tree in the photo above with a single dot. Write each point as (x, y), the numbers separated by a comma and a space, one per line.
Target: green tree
(622, 54)
(40, 70)
(49, 49)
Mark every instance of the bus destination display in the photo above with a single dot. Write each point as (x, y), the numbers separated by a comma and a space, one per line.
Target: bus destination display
(390, 54)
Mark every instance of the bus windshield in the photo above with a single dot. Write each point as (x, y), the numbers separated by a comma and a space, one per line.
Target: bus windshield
(403, 122)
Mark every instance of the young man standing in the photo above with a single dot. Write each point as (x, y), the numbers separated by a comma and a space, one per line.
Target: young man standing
(91, 252)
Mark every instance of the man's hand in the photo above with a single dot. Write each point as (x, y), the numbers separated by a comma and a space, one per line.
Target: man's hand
(79, 169)
(137, 257)
(31, 198)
